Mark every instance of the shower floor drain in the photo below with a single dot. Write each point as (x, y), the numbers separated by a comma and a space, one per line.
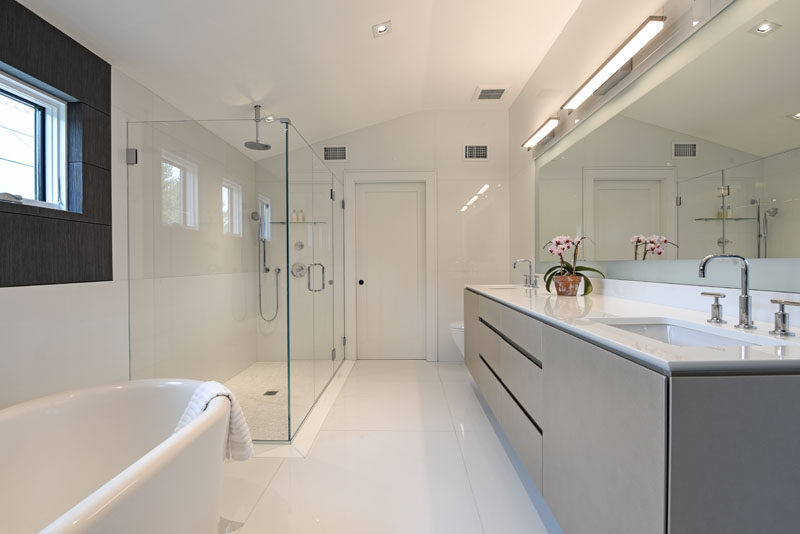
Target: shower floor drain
(270, 392)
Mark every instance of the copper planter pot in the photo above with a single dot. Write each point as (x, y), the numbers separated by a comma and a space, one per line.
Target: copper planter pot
(567, 285)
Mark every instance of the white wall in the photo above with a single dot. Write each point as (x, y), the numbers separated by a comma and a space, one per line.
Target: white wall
(473, 247)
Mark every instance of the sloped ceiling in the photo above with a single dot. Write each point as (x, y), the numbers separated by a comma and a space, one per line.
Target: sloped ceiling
(317, 61)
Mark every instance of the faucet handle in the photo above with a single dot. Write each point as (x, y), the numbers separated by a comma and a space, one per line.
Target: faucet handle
(785, 302)
(781, 317)
(716, 307)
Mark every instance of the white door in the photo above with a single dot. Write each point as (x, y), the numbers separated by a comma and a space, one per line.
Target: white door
(390, 270)
(619, 203)
(623, 208)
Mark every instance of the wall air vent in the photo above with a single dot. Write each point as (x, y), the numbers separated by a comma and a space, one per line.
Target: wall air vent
(476, 152)
(684, 150)
(491, 94)
(334, 153)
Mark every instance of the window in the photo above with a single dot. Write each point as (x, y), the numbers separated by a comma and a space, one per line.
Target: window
(231, 208)
(32, 144)
(178, 191)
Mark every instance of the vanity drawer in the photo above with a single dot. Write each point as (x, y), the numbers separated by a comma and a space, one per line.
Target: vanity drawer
(489, 345)
(523, 378)
(523, 435)
(487, 385)
(523, 330)
(491, 312)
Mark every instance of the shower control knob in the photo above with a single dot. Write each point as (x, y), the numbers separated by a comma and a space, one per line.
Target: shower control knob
(361, 282)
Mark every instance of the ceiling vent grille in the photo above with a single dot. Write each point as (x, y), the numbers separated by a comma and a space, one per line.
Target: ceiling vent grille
(334, 153)
(684, 150)
(491, 94)
(476, 152)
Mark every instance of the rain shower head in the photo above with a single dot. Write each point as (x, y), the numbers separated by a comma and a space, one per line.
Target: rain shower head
(257, 145)
(772, 212)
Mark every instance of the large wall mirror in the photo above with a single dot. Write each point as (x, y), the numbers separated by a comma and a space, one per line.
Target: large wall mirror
(707, 157)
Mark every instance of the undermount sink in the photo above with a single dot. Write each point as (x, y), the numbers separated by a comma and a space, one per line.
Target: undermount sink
(683, 333)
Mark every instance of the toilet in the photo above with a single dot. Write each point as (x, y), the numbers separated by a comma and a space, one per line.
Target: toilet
(457, 331)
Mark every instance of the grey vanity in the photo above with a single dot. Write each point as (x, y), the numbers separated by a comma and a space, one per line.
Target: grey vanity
(618, 444)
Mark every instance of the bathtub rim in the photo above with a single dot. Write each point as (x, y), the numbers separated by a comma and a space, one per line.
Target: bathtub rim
(139, 472)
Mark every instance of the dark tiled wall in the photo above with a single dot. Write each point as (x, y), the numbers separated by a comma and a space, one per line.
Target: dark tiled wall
(42, 246)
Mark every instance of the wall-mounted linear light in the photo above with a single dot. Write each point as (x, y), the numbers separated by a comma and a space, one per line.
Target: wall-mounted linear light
(643, 35)
(543, 131)
(471, 201)
(483, 189)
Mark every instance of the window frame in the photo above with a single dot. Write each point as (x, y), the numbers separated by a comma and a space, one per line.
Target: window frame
(189, 192)
(234, 206)
(51, 141)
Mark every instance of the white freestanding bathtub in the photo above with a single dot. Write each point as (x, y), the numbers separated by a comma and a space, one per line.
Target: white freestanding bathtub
(105, 460)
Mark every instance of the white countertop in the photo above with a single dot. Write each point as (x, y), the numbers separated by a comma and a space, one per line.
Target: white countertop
(578, 316)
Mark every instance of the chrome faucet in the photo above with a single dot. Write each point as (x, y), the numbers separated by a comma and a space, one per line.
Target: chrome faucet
(530, 281)
(745, 305)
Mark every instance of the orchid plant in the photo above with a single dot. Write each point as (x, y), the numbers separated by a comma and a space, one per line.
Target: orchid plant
(560, 246)
(653, 244)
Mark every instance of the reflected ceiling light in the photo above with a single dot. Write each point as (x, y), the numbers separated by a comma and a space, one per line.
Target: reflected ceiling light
(543, 131)
(796, 116)
(643, 35)
(382, 28)
(486, 186)
(462, 210)
(472, 200)
(695, 23)
(765, 27)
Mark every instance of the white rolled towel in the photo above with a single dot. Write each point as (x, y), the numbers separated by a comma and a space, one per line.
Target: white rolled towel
(240, 445)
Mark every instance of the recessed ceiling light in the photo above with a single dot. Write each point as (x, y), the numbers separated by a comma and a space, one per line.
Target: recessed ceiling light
(382, 28)
(765, 27)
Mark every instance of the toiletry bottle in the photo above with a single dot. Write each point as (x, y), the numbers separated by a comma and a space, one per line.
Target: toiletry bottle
(294, 216)
(302, 216)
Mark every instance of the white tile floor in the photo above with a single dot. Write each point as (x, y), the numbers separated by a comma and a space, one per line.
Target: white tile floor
(406, 448)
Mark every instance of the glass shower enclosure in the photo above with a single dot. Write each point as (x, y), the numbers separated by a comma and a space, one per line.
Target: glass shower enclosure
(236, 264)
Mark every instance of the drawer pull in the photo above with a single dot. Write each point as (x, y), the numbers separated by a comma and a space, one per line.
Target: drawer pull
(519, 405)
(534, 360)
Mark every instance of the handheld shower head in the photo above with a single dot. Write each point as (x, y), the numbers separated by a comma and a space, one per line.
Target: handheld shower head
(257, 145)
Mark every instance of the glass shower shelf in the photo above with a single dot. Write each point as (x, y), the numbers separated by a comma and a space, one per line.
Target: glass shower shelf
(299, 222)
(725, 219)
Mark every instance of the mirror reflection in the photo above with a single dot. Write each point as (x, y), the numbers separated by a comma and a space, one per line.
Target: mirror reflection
(707, 159)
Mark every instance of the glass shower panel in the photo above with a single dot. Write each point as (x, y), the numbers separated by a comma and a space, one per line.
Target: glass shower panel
(338, 272)
(300, 227)
(741, 222)
(235, 259)
(321, 274)
(700, 216)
